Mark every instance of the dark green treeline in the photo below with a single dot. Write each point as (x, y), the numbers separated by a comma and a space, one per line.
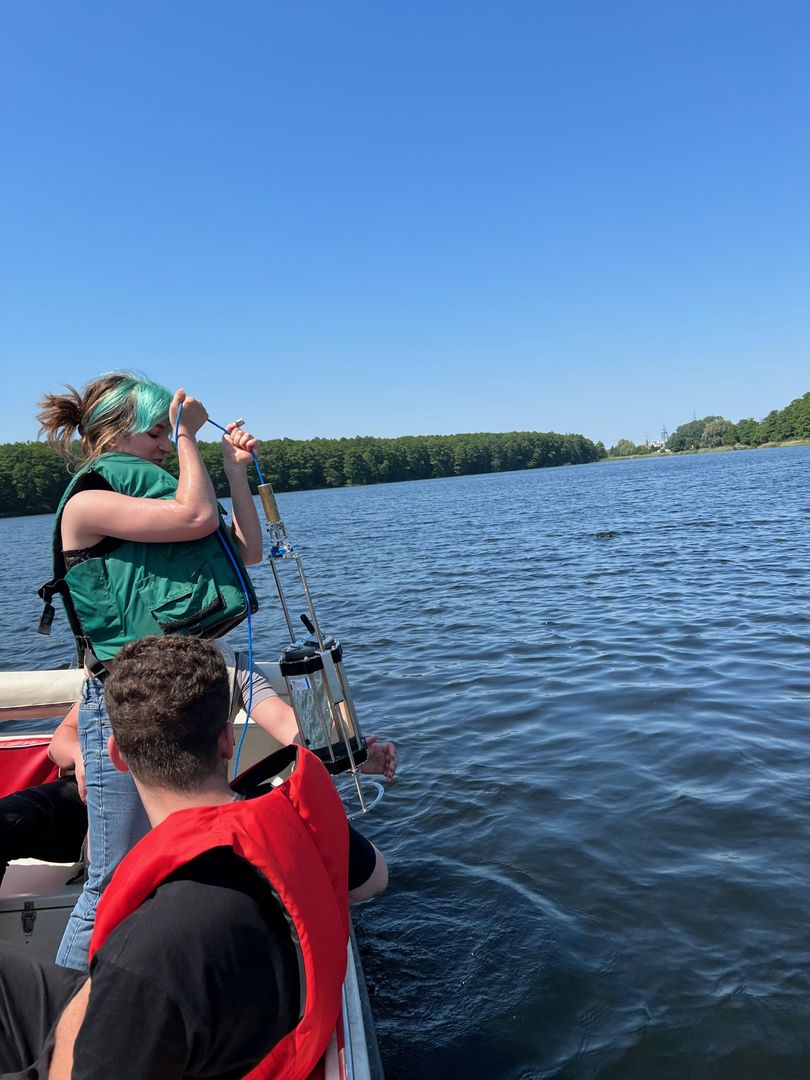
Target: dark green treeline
(33, 477)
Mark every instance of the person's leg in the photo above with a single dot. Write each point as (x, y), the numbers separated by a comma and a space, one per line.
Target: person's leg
(32, 995)
(116, 821)
(368, 870)
(48, 822)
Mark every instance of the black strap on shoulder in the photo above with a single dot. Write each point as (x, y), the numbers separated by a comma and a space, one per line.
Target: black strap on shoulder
(90, 481)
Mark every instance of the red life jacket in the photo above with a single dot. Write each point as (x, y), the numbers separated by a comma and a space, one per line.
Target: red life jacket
(297, 836)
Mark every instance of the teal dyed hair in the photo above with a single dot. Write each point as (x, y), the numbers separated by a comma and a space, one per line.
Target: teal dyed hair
(147, 402)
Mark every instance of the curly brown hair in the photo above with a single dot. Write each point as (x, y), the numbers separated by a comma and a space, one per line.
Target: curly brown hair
(168, 699)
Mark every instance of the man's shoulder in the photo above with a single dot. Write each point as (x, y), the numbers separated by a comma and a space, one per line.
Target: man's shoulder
(211, 943)
(215, 909)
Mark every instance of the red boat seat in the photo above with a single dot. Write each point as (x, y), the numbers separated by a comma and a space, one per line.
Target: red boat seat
(24, 762)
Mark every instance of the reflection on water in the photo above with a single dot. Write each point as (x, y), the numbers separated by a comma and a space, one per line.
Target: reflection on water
(599, 835)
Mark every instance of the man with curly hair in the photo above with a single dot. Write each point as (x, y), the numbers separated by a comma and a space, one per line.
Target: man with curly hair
(220, 943)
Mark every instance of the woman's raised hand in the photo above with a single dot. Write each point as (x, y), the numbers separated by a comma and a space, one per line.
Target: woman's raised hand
(238, 446)
(193, 416)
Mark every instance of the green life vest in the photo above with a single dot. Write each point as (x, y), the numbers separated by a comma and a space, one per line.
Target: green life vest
(137, 589)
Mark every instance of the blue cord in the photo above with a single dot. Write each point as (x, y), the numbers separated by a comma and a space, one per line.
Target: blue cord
(235, 565)
(177, 421)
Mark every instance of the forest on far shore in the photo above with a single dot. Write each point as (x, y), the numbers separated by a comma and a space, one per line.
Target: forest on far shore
(33, 477)
(780, 425)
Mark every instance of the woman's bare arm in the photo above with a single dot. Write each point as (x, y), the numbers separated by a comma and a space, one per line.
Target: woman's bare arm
(64, 749)
(237, 448)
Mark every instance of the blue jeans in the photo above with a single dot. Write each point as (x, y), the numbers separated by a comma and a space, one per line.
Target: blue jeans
(116, 822)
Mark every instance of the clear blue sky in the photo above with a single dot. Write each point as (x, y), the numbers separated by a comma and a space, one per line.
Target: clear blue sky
(336, 217)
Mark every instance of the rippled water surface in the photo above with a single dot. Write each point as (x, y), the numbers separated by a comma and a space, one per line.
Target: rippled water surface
(599, 836)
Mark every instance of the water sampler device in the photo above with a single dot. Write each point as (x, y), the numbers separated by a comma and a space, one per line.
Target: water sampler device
(312, 668)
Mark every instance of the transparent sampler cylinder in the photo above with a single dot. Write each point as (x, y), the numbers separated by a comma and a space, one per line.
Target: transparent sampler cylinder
(326, 720)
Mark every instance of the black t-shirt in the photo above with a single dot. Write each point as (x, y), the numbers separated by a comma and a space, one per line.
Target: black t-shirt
(201, 981)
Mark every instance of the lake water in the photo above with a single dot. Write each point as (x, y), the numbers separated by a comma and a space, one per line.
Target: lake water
(599, 837)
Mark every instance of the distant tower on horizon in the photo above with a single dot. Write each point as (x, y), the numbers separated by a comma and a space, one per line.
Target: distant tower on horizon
(664, 435)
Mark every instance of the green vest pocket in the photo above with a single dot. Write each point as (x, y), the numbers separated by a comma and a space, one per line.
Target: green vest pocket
(188, 609)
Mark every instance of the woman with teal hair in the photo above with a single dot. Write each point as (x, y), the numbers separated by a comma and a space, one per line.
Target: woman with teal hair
(138, 552)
